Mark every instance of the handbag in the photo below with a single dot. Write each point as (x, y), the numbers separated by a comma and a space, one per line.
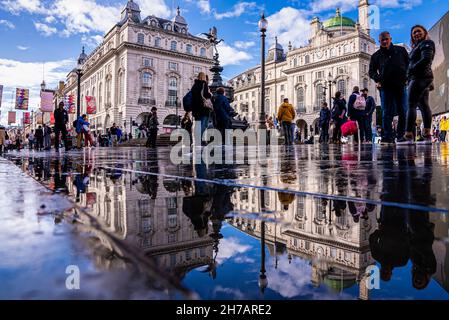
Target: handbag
(207, 103)
(349, 128)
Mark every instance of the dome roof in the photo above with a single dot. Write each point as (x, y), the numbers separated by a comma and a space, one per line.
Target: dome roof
(132, 6)
(178, 18)
(338, 21)
(277, 46)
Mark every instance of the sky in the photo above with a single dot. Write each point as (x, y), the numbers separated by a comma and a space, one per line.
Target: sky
(43, 38)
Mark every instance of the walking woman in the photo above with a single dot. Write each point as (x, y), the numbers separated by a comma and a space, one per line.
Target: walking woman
(202, 104)
(338, 115)
(420, 78)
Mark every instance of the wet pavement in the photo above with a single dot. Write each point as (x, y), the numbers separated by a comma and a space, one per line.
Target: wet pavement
(307, 224)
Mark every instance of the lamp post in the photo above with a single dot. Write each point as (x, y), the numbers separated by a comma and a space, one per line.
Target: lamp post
(263, 25)
(79, 68)
(330, 80)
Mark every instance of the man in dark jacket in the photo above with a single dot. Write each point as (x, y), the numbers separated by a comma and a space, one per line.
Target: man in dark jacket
(369, 110)
(61, 119)
(152, 128)
(388, 68)
(325, 118)
(223, 112)
(39, 135)
(200, 96)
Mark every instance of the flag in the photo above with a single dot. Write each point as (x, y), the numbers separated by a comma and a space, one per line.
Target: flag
(91, 107)
(52, 118)
(22, 96)
(69, 103)
(11, 117)
(39, 118)
(47, 101)
(1, 94)
(26, 118)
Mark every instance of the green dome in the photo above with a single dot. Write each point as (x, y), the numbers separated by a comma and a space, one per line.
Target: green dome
(338, 21)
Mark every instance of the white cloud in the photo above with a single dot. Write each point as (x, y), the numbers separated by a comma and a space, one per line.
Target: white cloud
(204, 6)
(16, 6)
(92, 41)
(44, 29)
(231, 56)
(230, 247)
(244, 44)
(22, 48)
(7, 24)
(236, 11)
(154, 7)
(289, 24)
(50, 19)
(17, 74)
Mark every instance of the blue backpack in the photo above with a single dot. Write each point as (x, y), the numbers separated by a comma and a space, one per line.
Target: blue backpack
(187, 102)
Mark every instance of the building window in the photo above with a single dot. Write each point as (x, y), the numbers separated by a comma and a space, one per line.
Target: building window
(365, 83)
(300, 79)
(307, 59)
(253, 94)
(147, 79)
(172, 91)
(300, 93)
(108, 91)
(341, 86)
(147, 62)
(282, 87)
(173, 66)
(100, 96)
(157, 42)
(140, 38)
(203, 52)
(319, 75)
(189, 49)
(121, 86)
(196, 70)
(295, 62)
(319, 95)
(173, 46)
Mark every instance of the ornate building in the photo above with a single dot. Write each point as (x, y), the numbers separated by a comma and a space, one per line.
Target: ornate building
(338, 55)
(141, 63)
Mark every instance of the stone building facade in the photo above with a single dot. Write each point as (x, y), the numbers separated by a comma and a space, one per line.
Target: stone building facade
(141, 63)
(338, 54)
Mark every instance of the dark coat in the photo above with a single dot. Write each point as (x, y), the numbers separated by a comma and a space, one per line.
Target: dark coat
(325, 116)
(223, 112)
(370, 106)
(61, 117)
(389, 67)
(39, 133)
(198, 105)
(338, 109)
(421, 59)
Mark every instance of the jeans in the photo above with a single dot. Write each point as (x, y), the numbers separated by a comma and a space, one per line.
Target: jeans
(287, 127)
(394, 102)
(418, 96)
(61, 129)
(368, 130)
(324, 137)
(361, 122)
(204, 123)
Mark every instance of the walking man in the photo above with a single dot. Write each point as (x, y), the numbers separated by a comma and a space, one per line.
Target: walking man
(61, 119)
(388, 68)
(369, 110)
(286, 115)
(325, 118)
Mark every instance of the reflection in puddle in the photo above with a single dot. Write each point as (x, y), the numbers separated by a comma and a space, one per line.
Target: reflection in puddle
(225, 241)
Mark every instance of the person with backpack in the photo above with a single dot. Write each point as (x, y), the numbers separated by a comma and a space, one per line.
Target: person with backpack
(201, 104)
(356, 112)
(325, 118)
(338, 115)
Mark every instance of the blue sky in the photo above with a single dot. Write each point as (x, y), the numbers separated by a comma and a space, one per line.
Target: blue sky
(53, 31)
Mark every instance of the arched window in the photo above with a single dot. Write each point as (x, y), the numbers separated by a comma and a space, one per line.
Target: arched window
(341, 86)
(319, 95)
(295, 62)
(157, 42)
(172, 91)
(108, 91)
(153, 23)
(147, 82)
(100, 96)
(300, 94)
(121, 86)
(173, 46)
(307, 59)
(365, 47)
(203, 52)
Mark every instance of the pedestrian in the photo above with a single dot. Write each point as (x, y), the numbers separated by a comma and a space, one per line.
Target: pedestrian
(420, 77)
(270, 126)
(46, 144)
(2, 138)
(286, 115)
(369, 111)
(18, 142)
(31, 140)
(152, 128)
(356, 112)
(338, 115)
(443, 129)
(186, 124)
(223, 113)
(130, 136)
(388, 68)
(114, 137)
(201, 105)
(325, 118)
(39, 138)
(85, 130)
(119, 135)
(61, 119)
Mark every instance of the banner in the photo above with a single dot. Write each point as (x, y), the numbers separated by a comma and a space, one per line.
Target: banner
(47, 101)
(26, 118)
(1, 94)
(69, 103)
(22, 97)
(91, 106)
(52, 118)
(39, 118)
(11, 117)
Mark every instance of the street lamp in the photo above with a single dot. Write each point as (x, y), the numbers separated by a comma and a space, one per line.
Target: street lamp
(330, 80)
(79, 68)
(263, 25)
(43, 85)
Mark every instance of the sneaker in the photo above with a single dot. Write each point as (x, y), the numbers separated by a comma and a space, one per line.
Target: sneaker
(424, 140)
(405, 141)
